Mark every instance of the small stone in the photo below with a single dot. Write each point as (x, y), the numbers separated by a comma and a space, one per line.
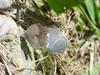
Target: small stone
(5, 3)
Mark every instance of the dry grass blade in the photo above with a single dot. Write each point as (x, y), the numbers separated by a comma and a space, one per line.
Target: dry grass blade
(92, 58)
(5, 60)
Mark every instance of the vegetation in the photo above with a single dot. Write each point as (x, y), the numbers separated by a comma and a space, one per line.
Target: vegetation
(78, 20)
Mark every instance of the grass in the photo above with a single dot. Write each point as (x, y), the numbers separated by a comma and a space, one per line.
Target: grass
(81, 53)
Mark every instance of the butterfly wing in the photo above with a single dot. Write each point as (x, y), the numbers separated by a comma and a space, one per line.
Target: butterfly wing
(53, 34)
(59, 45)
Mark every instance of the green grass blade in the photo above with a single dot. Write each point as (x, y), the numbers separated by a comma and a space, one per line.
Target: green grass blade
(90, 8)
